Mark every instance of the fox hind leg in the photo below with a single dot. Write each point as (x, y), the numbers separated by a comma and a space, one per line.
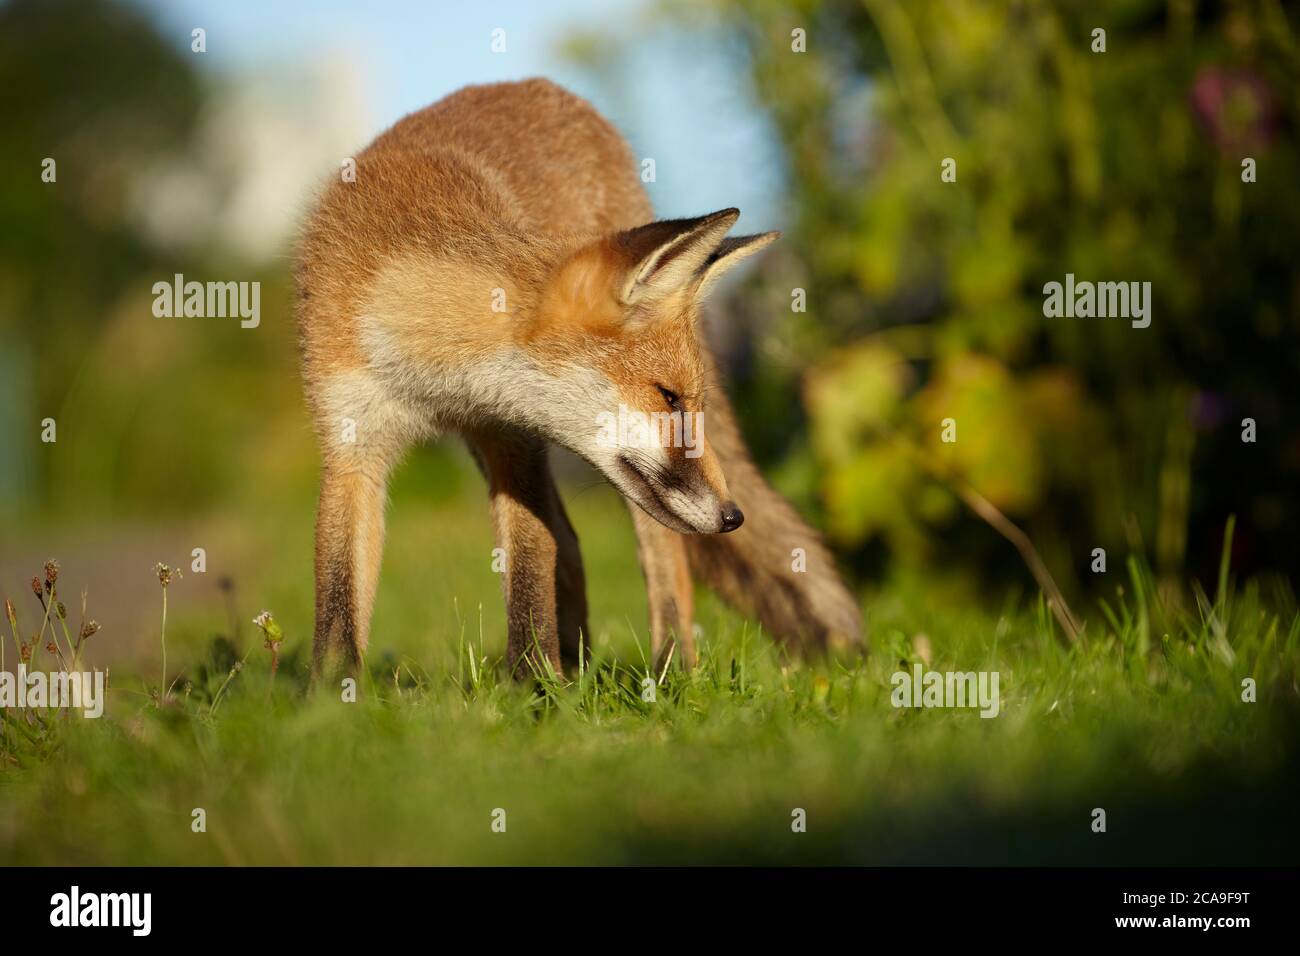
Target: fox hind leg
(349, 550)
(663, 557)
(570, 587)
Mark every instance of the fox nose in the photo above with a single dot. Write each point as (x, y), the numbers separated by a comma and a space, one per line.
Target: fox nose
(732, 517)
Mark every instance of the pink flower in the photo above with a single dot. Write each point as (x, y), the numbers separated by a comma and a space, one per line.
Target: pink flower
(1236, 108)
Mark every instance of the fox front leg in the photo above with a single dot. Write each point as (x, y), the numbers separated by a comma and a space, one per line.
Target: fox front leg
(522, 503)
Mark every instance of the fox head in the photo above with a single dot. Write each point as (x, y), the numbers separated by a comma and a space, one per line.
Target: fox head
(617, 322)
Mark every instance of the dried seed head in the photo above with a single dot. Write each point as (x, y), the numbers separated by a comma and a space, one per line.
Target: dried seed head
(61, 611)
(52, 648)
(25, 652)
(89, 628)
(10, 614)
(165, 573)
(51, 572)
(36, 587)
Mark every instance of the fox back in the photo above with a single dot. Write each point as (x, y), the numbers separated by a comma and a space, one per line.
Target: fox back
(526, 157)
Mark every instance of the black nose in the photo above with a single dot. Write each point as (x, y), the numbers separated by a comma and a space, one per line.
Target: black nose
(732, 517)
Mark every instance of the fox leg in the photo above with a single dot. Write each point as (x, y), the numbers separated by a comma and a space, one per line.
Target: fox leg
(570, 585)
(349, 549)
(541, 552)
(662, 553)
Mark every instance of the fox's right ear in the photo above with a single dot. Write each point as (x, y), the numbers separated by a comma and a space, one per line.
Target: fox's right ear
(665, 256)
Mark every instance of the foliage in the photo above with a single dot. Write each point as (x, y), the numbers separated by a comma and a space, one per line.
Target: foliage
(925, 297)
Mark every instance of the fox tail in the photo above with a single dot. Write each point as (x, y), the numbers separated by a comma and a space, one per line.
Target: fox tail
(774, 567)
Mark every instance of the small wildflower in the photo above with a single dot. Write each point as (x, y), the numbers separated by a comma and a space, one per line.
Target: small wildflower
(165, 573)
(89, 628)
(270, 627)
(51, 572)
(274, 635)
(821, 689)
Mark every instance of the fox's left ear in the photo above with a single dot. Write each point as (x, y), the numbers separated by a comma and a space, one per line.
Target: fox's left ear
(729, 252)
(664, 257)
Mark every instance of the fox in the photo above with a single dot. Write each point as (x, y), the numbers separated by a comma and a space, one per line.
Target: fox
(493, 270)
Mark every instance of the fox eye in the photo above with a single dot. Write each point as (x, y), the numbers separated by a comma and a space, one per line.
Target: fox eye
(672, 398)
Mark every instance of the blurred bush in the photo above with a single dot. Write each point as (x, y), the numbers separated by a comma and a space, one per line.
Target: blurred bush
(68, 251)
(155, 417)
(925, 297)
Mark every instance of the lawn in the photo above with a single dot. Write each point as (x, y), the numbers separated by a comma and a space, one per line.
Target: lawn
(443, 761)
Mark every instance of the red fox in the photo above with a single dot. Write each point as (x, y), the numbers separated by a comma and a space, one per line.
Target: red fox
(494, 269)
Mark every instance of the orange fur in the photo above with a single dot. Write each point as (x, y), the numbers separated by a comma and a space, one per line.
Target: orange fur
(494, 270)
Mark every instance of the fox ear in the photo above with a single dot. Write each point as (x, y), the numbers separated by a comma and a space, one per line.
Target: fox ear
(665, 256)
(730, 251)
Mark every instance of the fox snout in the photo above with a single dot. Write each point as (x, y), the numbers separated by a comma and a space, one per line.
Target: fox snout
(688, 495)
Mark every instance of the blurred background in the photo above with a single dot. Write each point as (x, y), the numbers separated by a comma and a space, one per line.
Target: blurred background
(923, 297)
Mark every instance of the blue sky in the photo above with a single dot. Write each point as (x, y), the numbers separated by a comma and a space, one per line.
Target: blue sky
(681, 99)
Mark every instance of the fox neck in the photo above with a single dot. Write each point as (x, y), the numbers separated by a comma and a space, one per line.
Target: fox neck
(465, 335)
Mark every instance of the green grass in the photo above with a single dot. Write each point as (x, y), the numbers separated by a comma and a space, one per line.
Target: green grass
(1144, 719)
